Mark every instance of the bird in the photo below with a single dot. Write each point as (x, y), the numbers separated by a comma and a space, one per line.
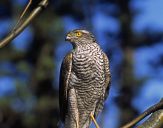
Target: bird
(84, 81)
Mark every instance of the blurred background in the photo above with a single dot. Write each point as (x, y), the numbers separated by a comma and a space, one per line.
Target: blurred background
(129, 31)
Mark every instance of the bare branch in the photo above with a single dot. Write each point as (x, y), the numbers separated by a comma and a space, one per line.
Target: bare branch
(144, 114)
(22, 26)
(23, 13)
(154, 121)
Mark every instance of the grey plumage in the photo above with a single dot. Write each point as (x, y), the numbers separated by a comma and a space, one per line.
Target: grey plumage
(84, 80)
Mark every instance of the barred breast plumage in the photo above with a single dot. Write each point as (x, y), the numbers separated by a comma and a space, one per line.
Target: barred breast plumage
(87, 78)
(86, 83)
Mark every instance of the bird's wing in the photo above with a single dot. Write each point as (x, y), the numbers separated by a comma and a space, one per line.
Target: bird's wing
(100, 103)
(107, 74)
(63, 84)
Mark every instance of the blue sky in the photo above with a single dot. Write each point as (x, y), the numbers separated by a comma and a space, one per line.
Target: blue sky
(150, 14)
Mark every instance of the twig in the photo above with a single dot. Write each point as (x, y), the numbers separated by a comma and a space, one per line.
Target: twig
(144, 114)
(21, 16)
(22, 26)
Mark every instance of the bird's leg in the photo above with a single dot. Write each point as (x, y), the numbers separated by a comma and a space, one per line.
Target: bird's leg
(94, 120)
(23, 13)
(77, 124)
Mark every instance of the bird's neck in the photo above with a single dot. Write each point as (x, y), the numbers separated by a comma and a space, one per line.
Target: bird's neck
(84, 47)
(82, 44)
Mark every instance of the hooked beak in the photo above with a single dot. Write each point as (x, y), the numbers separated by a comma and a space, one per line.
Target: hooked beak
(68, 37)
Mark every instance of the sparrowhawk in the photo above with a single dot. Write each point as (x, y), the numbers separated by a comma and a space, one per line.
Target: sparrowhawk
(84, 80)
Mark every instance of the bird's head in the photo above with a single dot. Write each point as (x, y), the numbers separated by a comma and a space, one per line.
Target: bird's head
(80, 36)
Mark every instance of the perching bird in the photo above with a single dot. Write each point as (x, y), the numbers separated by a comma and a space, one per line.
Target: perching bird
(84, 80)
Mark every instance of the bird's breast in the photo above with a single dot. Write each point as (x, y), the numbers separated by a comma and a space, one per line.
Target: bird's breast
(88, 66)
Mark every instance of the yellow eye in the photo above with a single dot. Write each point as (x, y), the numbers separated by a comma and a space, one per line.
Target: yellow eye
(78, 34)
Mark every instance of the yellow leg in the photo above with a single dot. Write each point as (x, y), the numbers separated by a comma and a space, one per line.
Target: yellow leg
(77, 124)
(94, 120)
(23, 13)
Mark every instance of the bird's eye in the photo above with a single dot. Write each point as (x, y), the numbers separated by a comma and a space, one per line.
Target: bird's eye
(78, 34)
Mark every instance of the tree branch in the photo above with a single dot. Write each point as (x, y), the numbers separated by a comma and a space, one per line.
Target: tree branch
(154, 121)
(22, 26)
(144, 114)
(21, 16)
